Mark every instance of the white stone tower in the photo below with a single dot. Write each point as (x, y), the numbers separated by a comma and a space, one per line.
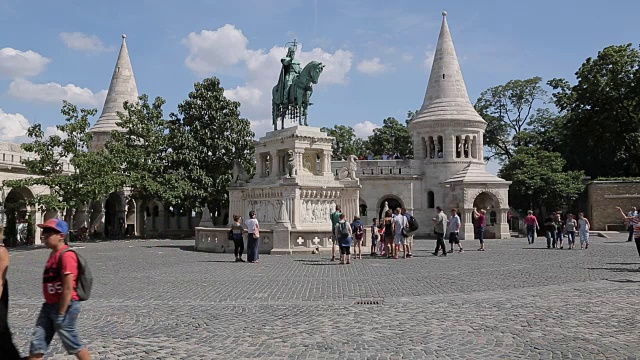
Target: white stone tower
(122, 88)
(447, 137)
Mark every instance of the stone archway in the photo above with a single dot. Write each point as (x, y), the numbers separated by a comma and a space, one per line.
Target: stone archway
(20, 216)
(496, 226)
(389, 201)
(114, 216)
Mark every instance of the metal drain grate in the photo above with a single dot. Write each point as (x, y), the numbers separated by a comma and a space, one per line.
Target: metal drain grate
(368, 302)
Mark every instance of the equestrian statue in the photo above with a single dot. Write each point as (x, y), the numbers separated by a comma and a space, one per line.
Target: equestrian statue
(293, 91)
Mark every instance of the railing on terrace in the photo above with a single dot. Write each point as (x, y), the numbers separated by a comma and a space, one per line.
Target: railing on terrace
(379, 168)
(11, 155)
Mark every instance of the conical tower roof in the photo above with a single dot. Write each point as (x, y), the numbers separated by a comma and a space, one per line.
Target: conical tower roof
(122, 88)
(446, 97)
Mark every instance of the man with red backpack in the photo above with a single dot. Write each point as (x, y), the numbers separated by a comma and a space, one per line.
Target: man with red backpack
(60, 286)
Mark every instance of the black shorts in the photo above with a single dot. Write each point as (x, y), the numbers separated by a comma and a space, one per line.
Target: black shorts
(454, 238)
(345, 250)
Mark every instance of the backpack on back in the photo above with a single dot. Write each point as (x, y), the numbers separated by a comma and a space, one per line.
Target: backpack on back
(84, 282)
(413, 223)
(359, 232)
(344, 231)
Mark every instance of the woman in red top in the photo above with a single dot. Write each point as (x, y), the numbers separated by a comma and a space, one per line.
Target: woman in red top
(480, 218)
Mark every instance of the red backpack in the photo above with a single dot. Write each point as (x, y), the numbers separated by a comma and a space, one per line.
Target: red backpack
(359, 232)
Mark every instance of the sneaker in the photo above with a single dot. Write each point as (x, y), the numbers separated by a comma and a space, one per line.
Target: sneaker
(461, 250)
(333, 258)
(561, 247)
(409, 255)
(587, 246)
(237, 260)
(444, 254)
(240, 260)
(435, 254)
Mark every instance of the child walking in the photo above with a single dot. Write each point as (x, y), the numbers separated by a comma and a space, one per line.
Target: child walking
(345, 239)
(375, 237)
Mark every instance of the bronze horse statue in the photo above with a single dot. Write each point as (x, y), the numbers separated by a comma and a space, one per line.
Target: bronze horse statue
(298, 96)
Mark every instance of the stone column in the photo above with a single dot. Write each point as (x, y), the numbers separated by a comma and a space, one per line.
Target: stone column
(259, 165)
(480, 145)
(299, 161)
(282, 232)
(503, 225)
(467, 224)
(275, 164)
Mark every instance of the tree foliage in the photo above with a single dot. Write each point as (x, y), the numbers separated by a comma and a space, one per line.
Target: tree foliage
(602, 113)
(539, 178)
(393, 137)
(141, 149)
(346, 142)
(509, 111)
(70, 187)
(206, 136)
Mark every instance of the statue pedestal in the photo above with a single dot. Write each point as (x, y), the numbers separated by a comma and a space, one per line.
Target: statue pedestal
(308, 197)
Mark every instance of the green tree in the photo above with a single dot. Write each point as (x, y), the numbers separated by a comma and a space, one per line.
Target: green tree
(346, 142)
(510, 111)
(206, 136)
(393, 137)
(539, 178)
(602, 113)
(141, 150)
(70, 187)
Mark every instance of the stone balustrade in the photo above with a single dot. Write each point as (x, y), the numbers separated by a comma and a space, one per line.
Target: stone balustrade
(11, 156)
(379, 168)
(300, 240)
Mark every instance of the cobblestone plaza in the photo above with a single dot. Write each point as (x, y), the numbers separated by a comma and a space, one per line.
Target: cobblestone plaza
(161, 300)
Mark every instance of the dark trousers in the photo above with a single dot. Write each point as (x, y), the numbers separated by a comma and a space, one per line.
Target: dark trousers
(440, 243)
(481, 234)
(238, 245)
(531, 233)
(7, 348)
(571, 237)
(253, 244)
(630, 233)
(638, 245)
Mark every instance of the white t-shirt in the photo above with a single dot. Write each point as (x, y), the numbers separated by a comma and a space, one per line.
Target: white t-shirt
(251, 225)
(454, 223)
(400, 222)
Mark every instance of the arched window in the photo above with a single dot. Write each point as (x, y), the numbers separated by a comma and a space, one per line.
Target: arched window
(431, 201)
(432, 147)
(363, 210)
(458, 147)
(493, 217)
(440, 148)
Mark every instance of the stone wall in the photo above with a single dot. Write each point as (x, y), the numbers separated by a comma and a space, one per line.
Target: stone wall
(604, 196)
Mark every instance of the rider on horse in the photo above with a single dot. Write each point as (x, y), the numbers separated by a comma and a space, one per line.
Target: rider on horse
(290, 70)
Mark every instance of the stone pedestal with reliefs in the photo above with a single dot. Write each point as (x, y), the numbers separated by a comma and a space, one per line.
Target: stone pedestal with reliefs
(293, 170)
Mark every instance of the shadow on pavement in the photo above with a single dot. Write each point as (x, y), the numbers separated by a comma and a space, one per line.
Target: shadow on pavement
(617, 270)
(624, 281)
(181, 247)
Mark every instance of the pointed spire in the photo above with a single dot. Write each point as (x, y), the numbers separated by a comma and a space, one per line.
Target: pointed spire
(446, 97)
(122, 88)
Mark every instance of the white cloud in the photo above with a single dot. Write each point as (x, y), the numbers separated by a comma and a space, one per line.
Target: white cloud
(261, 127)
(364, 129)
(55, 93)
(407, 57)
(212, 51)
(12, 126)
(372, 66)
(16, 64)
(83, 42)
(52, 130)
(429, 55)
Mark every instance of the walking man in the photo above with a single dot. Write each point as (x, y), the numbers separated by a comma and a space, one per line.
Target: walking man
(441, 224)
(335, 219)
(410, 231)
(61, 308)
(532, 225)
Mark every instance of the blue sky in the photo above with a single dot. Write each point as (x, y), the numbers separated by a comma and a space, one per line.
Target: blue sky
(377, 52)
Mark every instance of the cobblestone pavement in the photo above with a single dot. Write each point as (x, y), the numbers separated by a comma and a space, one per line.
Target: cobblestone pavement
(161, 300)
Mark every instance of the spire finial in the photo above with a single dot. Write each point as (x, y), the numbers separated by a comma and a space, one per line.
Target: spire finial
(444, 13)
(124, 36)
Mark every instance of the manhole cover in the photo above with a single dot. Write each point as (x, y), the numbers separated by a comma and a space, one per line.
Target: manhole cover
(368, 302)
